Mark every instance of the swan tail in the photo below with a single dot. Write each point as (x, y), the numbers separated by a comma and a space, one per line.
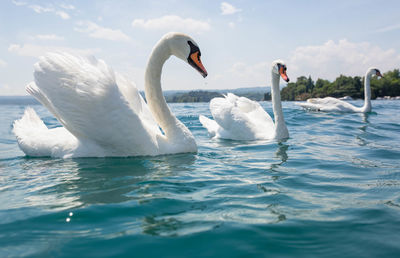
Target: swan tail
(209, 124)
(29, 131)
(232, 98)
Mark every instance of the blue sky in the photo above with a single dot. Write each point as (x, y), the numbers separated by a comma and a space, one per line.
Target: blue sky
(238, 39)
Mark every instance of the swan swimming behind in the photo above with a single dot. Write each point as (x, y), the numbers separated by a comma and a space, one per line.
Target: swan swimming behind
(102, 113)
(330, 104)
(238, 118)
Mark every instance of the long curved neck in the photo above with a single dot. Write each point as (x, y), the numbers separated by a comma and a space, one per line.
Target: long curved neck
(367, 93)
(281, 130)
(154, 96)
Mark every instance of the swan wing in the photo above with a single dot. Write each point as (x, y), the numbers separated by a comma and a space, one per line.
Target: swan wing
(241, 118)
(94, 103)
(328, 104)
(211, 126)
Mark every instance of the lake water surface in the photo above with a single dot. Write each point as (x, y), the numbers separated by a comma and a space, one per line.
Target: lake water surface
(331, 190)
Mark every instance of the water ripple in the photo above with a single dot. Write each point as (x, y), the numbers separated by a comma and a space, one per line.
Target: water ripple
(332, 188)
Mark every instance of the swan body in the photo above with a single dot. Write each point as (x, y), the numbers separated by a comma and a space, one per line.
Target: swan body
(102, 113)
(329, 104)
(239, 118)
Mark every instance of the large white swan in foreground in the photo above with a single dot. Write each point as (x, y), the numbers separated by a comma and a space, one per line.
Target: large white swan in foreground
(330, 104)
(102, 113)
(239, 118)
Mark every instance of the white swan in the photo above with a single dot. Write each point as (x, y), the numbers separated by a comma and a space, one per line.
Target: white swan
(330, 104)
(102, 113)
(239, 118)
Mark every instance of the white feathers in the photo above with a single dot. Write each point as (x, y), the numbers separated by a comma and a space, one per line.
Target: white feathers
(35, 139)
(96, 106)
(102, 113)
(238, 118)
(330, 104)
(90, 101)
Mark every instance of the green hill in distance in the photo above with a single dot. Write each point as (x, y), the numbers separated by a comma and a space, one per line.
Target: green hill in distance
(305, 88)
(302, 89)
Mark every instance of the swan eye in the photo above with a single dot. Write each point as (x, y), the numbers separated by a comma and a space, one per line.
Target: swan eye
(193, 48)
(281, 66)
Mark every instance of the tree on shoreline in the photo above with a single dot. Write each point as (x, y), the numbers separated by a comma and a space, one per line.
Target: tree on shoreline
(305, 88)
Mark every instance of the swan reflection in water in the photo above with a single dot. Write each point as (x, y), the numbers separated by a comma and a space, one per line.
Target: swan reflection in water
(153, 195)
(360, 137)
(223, 205)
(281, 153)
(58, 184)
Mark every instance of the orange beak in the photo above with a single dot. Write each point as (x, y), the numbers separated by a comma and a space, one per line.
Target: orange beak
(282, 72)
(194, 60)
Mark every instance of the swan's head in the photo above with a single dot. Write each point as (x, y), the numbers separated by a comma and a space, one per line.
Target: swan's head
(279, 67)
(373, 70)
(185, 48)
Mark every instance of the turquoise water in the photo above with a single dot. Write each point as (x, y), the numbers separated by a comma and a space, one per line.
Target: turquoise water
(331, 190)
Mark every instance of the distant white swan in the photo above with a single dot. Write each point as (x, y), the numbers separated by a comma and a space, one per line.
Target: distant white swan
(330, 104)
(239, 118)
(102, 113)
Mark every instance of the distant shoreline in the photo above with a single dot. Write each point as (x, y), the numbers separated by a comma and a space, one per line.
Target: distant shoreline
(179, 98)
(175, 96)
(343, 86)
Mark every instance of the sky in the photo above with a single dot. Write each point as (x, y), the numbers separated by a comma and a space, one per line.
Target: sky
(238, 39)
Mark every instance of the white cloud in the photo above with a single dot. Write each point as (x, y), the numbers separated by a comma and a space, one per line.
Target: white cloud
(242, 74)
(254, 71)
(67, 6)
(3, 63)
(231, 25)
(40, 9)
(172, 22)
(331, 59)
(251, 74)
(96, 31)
(227, 9)
(63, 15)
(326, 61)
(47, 37)
(18, 3)
(32, 50)
(389, 28)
